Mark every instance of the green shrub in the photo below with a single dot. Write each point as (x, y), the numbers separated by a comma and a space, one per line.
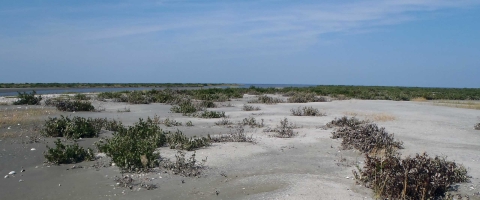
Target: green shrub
(133, 148)
(223, 122)
(236, 135)
(109, 95)
(211, 114)
(178, 140)
(267, 100)
(71, 106)
(77, 127)
(420, 177)
(252, 122)
(306, 111)
(81, 96)
(182, 166)
(28, 98)
(250, 108)
(185, 107)
(189, 123)
(66, 154)
(207, 104)
(171, 122)
(137, 97)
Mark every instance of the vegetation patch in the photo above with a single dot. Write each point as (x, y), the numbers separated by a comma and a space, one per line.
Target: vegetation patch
(185, 107)
(211, 114)
(267, 100)
(250, 108)
(235, 135)
(477, 126)
(307, 111)
(252, 122)
(284, 130)
(171, 122)
(224, 122)
(345, 121)
(66, 154)
(178, 140)
(28, 98)
(185, 167)
(133, 148)
(420, 177)
(77, 127)
(305, 97)
(81, 96)
(71, 106)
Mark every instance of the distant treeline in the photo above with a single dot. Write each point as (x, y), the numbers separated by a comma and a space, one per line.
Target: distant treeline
(337, 92)
(105, 85)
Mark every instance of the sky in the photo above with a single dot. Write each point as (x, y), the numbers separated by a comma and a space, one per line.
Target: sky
(424, 43)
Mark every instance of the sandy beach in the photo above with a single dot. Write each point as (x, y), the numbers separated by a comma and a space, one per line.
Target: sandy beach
(310, 165)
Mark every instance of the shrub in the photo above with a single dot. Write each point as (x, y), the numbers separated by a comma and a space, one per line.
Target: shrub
(81, 96)
(178, 140)
(420, 177)
(182, 166)
(302, 97)
(66, 154)
(77, 127)
(137, 97)
(71, 106)
(207, 104)
(171, 122)
(211, 114)
(306, 111)
(252, 122)
(285, 130)
(133, 148)
(477, 126)
(366, 138)
(185, 107)
(267, 100)
(223, 122)
(236, 135)
(124, 110)
(345, 122)
(189, 123)
(250, 108)
(28, 98)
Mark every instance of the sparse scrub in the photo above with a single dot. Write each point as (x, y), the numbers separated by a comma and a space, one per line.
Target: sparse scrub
(81, 96)
(306, 111)
(345, 121)
(28, 98)
(420, 177)
(185, 107)
(252, 122)
(66, 154)
(71, 106)
(185, 167)
(285, 130)
(236, 135)
(189, 123)
(250, 108)
(133, 148)
(211, 114)
(366, 138)
(302, 97)
(77, 127)
(171, 122)
(109, 95)
(207, 104)
(224, 122)
(178, 140)
(267, 100)
(137, 97)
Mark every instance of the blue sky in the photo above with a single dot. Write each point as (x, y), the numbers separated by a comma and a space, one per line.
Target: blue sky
(432, 43)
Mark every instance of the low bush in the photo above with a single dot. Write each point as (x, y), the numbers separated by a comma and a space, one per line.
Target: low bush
(109, 95)
(306, 111)
(189, 123)
(71, 106)
(186, 167)
(28, 98)
(66, 154)
(477, 126)
(250, 108)
(185, 107)
(171, 122)
(302, 97)
(224, 122)
(345, 122)
(252, 122)
(207, 104)
(178, 140)
(285, 130)
(366, 138)
(211, 114)
(420, 177)
(137, 97)
(267, 100)
(77, 127)
(236, 135)
(133, 148)
(81, 96)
